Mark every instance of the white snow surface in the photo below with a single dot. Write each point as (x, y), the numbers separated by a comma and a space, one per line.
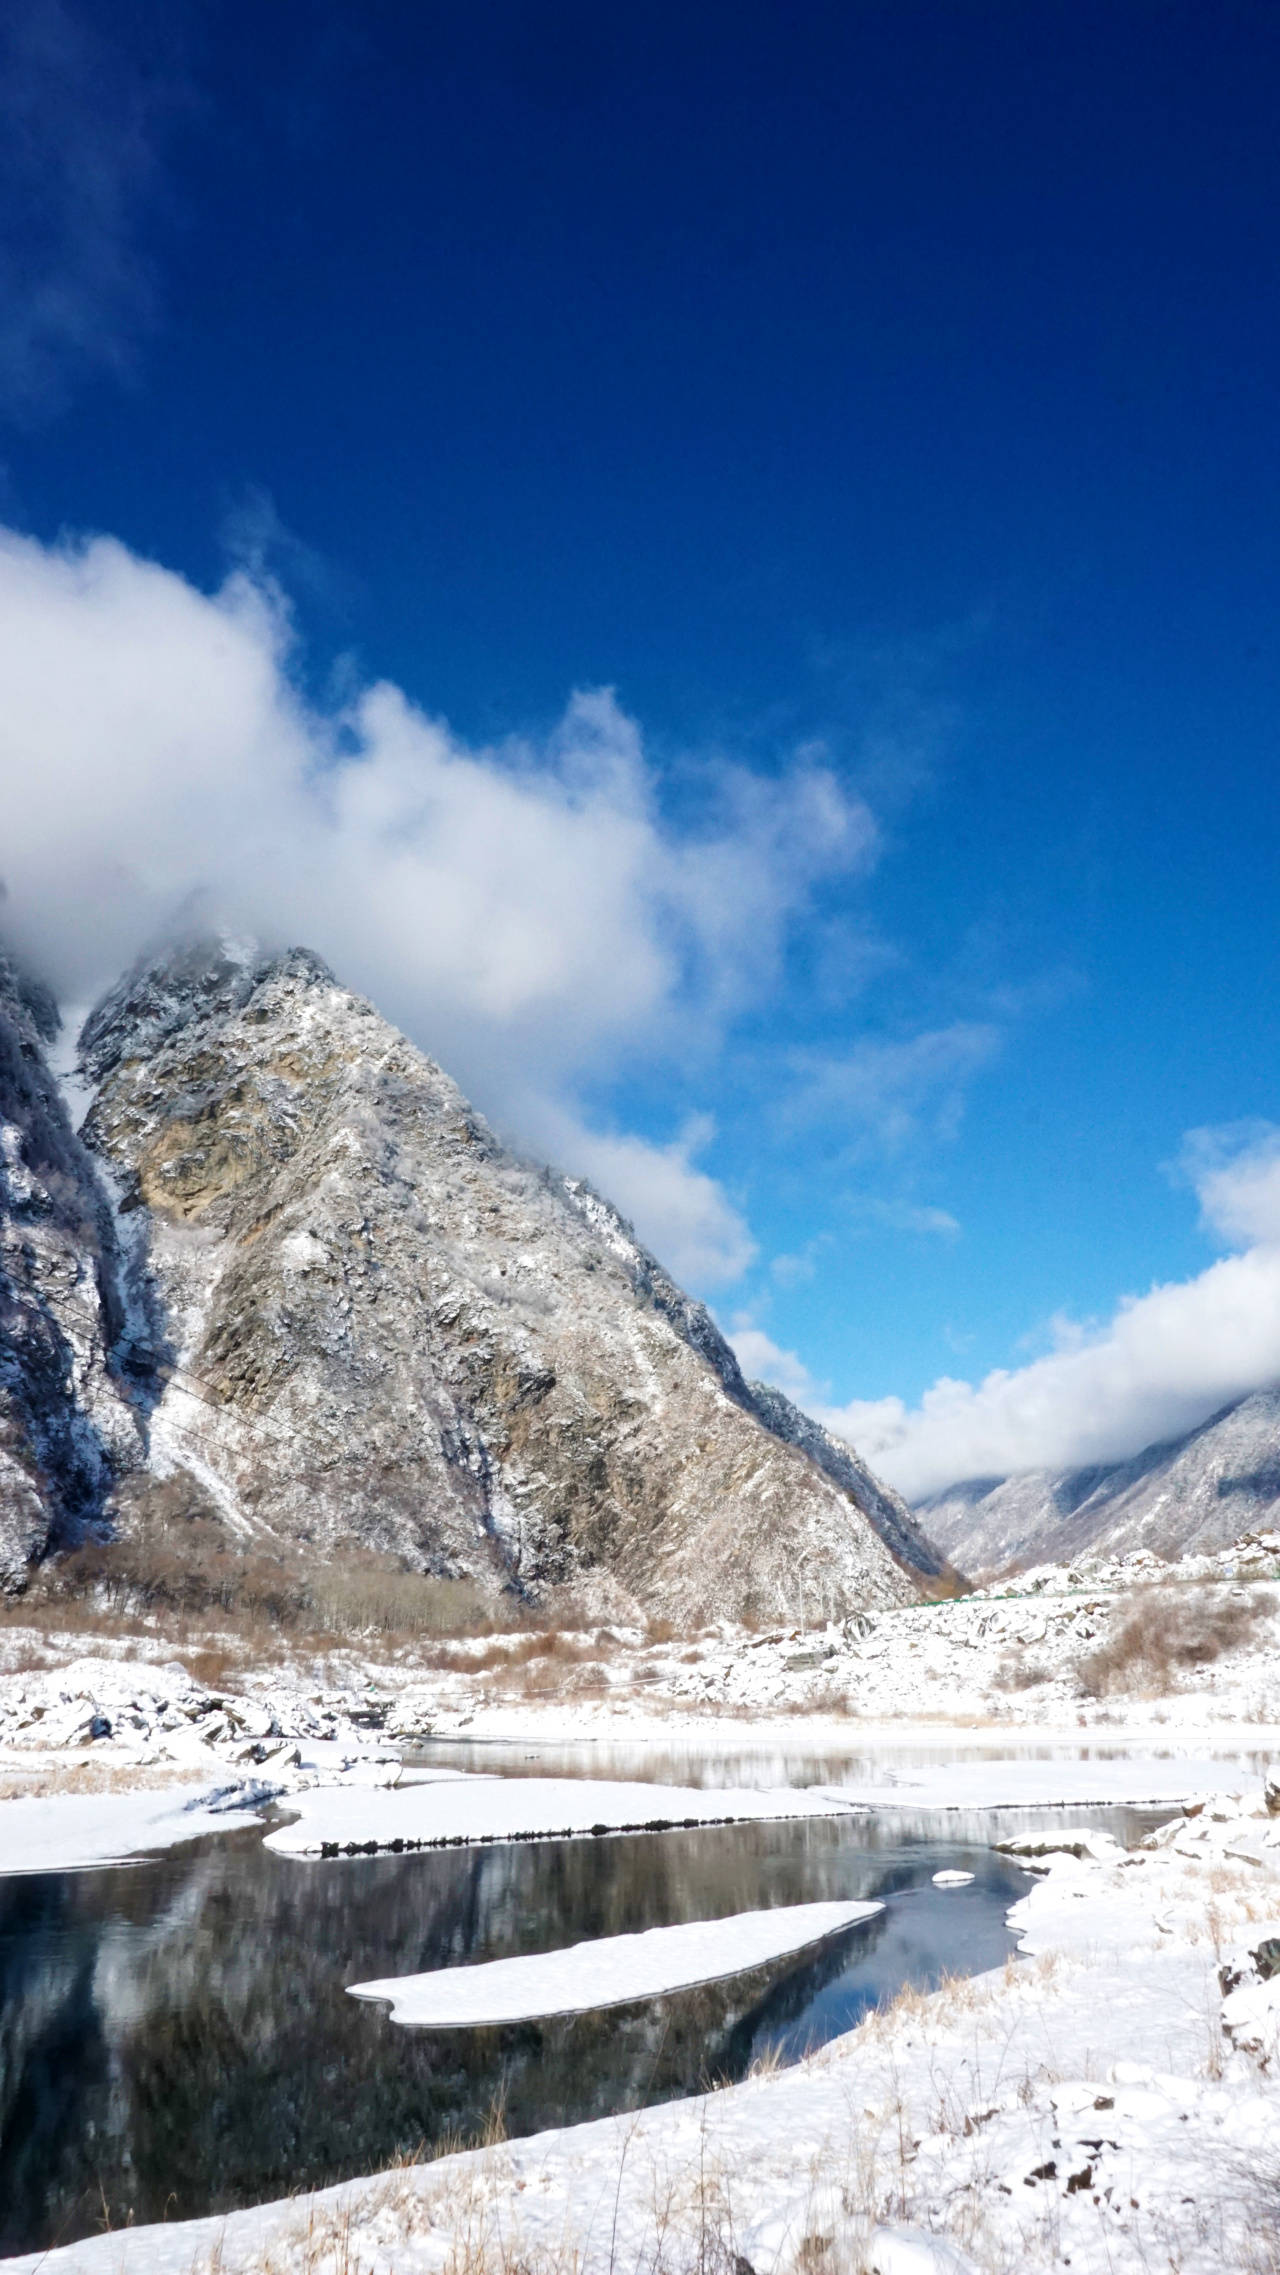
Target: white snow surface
(70, 1831)
(1108, 2102)
(1119, 1780)
(437, 1810)
(612, 1971)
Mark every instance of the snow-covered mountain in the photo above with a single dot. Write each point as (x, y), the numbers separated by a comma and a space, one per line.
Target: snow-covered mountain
(68, 1424)
(326, 1293)
(1197, 1492)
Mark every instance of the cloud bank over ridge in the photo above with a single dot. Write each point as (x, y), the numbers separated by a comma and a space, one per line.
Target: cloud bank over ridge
(525, 910)
(1164, 1362)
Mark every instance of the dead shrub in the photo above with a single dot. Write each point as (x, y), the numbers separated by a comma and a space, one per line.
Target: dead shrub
(174, 1567)
(1167, 1630)
(944, 1587)
(1016, 1672)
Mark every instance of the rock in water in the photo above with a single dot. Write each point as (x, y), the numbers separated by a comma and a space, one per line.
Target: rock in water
(67, 1429)
(384, 1329)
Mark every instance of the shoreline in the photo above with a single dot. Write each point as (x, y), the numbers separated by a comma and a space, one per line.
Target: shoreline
(1094, 2103)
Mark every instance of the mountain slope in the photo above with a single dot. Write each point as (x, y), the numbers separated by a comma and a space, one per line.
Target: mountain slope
(67, 1428)
(381, 1328)
(1197, 1492)
(888, 1512)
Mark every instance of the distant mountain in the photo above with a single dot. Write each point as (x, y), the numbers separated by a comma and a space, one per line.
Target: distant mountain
(1197, 1492)
(331, 1298)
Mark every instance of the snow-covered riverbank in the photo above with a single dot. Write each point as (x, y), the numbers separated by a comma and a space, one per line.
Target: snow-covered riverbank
(1107, 2101)
(1135, 1650)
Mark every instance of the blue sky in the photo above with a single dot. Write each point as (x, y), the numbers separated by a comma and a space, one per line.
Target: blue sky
(882, 401)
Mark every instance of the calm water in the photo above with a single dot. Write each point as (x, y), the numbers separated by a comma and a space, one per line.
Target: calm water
(175, 2036)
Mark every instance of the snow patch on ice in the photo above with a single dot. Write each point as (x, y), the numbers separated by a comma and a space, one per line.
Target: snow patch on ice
(614, 1970)
(334, 1819)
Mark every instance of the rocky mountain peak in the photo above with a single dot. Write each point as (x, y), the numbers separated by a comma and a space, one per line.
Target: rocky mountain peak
(1193, 1494)
(195, 979)
(374, 1325)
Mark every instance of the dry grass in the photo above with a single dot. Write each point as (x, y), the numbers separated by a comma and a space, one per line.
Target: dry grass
(1017, 1672)
(1166, 1631)
(176, 1571)
(44, 1779)
(507, 1656)
(944, 1587)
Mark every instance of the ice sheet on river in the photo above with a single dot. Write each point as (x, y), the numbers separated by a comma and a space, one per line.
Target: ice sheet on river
(68, 1832)
(614, 1970)
(431, 1814)
(1134, 1780)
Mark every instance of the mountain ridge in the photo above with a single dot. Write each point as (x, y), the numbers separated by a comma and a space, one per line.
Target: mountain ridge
(1196, 1492)
(352, 1316)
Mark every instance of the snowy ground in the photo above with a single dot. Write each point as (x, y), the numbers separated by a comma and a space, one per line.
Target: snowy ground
(1108, 2101)
(70, 1832)
(1060, 1651)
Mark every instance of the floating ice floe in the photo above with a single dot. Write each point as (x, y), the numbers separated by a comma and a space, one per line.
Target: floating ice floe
(71, 1831)
(615, 1970)
(342, 1820)
(1134, 1780)
(952, 1879)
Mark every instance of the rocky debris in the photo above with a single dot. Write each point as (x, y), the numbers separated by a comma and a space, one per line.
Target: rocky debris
(1038, 1850)
(1193, 1493)
(1254, 1556)
(68, 1427)
(146, 1715)
(991, 1656)
(382, 1329)
(1007, 1662)
(1236, 1828)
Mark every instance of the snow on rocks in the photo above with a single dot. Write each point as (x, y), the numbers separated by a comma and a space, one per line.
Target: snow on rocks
(144, 1714)
(614, 1970)
(1254, 1556)
(1250, 1981)
(1026, 1653)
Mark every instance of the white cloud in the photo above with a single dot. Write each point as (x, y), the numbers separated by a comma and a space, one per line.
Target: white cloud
(763, 1360)
(1163, 1363)
(523, 910)
(1236, 1174)
(891, 1092)
(680, 1212)
(905, 1216)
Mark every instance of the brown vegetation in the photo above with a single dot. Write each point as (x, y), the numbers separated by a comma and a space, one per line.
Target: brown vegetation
(1017, 1672)
(1168, 1630)
(176, 1569)
(944, 1587)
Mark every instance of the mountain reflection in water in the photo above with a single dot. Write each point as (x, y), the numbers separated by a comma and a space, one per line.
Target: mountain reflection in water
(176, 2038)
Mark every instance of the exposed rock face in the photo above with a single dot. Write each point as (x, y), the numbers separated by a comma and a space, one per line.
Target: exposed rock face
(379, 1327)
(1197, 1492)
(66, 1426)
(887, 1510)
